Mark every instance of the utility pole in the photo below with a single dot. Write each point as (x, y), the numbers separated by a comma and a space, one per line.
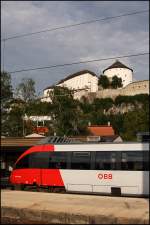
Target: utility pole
(23, 126)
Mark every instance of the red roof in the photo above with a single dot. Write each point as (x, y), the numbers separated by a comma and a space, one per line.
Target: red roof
(101, 130)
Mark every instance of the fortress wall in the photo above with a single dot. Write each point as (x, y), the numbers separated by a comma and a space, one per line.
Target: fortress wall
(108, 93)
(139, 87)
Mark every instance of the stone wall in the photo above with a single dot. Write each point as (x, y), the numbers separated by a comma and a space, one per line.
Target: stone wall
(138, 87)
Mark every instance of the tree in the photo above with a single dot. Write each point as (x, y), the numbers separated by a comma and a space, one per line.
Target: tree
(6, 88)
(116, 82)
(98, 118)
(136, 99)
(37, 107)
(134, 122)
(6, 97)
(117, 122)
(26, 89)
(104, 81)
(85, 105)
(13, 125)
(65, 112)
(102, 103)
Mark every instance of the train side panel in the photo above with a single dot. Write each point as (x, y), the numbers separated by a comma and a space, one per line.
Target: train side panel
(130, 182)
(26, 176)
(51, 177)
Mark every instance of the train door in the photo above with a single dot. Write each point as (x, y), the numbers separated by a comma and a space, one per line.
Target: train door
(54, 162)
(35, 170)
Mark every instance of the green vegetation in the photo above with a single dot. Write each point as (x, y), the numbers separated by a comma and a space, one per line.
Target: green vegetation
(136, 99)
(6, 97)
(69, 116)
(6, 89)
(134, 122)
(116, 82)
(26, 90)
(105, 83)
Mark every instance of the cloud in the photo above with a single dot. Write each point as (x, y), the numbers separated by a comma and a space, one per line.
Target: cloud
(110, 38)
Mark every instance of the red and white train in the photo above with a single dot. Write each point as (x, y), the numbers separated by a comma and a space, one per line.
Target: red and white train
(104, 168)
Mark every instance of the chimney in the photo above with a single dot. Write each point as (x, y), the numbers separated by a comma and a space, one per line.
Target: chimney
(89, 123)
(108, 123)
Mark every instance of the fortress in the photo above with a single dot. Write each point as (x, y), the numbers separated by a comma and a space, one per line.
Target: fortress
(134, 88)
(85, 83)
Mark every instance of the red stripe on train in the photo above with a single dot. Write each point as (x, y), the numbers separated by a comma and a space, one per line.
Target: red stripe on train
(47, 177)
(37, 148)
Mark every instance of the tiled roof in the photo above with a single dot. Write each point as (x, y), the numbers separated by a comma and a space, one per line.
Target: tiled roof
(117, 64)
(101, 130)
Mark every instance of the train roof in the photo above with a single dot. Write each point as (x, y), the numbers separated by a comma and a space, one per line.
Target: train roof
(56, 140)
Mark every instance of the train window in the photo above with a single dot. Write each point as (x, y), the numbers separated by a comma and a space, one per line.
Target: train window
(146, 160)
(106, 161)
(81, 160)
(132, 160)
(23, 163)
(39, 160)
(58, 160)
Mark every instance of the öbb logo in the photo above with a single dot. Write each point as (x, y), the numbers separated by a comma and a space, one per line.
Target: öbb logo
(104, 176)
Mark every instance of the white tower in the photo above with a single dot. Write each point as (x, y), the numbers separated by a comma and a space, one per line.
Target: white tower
(120, 70)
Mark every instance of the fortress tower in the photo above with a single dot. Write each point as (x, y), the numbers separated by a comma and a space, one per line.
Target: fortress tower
(120, 70)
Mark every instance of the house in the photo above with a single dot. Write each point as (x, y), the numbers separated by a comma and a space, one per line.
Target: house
(111, 138)
(103, 133)
(101, 130)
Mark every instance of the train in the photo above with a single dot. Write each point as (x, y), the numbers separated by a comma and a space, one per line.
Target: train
(120, 169)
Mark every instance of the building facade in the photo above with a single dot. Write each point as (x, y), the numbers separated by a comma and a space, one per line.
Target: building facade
(85, 79)
(82, 81)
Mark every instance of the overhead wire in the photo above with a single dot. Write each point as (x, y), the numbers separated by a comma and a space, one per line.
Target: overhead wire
(67, 26)
(72, 25)
(80, 62)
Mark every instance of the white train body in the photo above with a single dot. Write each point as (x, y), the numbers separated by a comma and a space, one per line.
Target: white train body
(101, 181)
(104, 168)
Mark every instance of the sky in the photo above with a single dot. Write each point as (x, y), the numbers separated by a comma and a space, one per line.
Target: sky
(105, 39)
